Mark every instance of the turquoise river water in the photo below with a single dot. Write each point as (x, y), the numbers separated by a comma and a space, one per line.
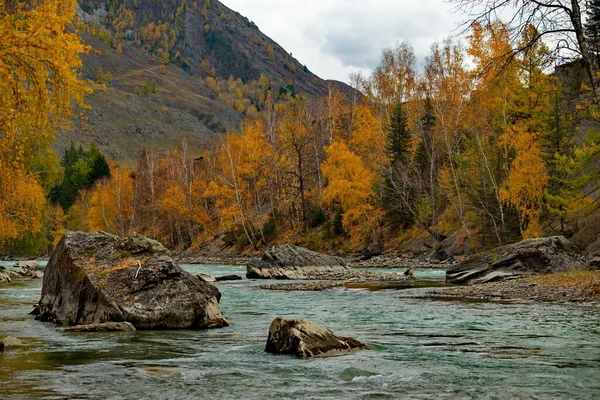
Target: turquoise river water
(422, 349)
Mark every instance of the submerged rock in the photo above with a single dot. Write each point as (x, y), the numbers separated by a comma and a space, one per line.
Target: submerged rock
(228, 278)
(305, 339)
(93, 278)
(293, 262)
(532, 256)
(105, 327)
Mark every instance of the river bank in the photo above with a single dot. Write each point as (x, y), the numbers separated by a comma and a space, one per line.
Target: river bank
(385, 260)
(569, 287)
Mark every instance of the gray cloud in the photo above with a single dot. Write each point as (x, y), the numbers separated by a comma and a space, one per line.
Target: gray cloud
(336, 37)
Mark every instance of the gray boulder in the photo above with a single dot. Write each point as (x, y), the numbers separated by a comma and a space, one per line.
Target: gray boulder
(304, 339)
(36, 274)
(93, 278)
(28, 265)
(293, 262)
(16, 272)
(105, 327)
(5, 277)
(529, 257)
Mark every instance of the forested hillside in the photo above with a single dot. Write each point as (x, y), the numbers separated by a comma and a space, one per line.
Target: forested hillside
(467, 157)
(170, 70)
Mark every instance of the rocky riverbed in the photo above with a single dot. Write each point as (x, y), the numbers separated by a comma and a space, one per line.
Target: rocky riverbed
(523, 289)
(385, 260)
(340, 279)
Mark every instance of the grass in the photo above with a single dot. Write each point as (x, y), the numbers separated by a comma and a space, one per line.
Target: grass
(588, 280)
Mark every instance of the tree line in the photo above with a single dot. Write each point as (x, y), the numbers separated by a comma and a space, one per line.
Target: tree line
(490, 153)
(482, 142)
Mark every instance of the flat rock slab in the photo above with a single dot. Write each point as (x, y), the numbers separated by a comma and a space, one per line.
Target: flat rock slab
(93, 278)
(529, 257)
(206, 278)
(305, 339)
(105, 327)
(293, 262)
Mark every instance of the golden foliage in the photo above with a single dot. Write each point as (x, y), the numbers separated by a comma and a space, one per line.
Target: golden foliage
(112, 204)
(524, 188)
(351, 186)
(21, 203)
(39, 63)
(589, 280)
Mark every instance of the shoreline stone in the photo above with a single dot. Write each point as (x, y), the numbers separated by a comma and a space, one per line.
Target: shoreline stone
(519, 289)
(528, 257)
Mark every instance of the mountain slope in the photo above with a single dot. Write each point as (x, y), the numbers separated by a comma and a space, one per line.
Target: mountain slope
(123, 119)
(154, 58)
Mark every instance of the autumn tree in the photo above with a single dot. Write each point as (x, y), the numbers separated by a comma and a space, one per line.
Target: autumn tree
(559, 22)
(112, 206)
(147, 190)
(351, 186)
(448, 86)
(297, 161)
(241, 180)
(489, 113)
(393, 80)
(39, 63)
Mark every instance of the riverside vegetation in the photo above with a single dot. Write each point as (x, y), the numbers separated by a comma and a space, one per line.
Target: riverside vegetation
(455, 156)
(482, 155)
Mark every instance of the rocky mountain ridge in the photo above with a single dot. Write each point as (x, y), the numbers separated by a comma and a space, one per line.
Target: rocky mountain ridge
(152, 60)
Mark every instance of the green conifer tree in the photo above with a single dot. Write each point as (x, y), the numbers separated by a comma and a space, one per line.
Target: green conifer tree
(592, 30)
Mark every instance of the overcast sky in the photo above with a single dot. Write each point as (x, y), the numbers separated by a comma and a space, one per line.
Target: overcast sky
(336, 37)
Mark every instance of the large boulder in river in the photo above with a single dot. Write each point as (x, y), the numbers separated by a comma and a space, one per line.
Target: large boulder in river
(305, 339)
(93, 278)
(532, 256)
(293, 262)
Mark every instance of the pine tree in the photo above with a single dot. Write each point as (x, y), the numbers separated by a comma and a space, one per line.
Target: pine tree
(592, 30)
(398, 135)
(98, 165)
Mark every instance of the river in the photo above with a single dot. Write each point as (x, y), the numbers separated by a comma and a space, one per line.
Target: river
(422, 349)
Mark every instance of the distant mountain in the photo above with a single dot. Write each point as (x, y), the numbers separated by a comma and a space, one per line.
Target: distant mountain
(154, 58)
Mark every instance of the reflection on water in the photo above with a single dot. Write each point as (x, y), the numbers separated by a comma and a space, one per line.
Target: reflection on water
(421, 349)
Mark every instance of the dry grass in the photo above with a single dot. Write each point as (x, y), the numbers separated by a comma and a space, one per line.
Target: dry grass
(104, 269)
(588, 280)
